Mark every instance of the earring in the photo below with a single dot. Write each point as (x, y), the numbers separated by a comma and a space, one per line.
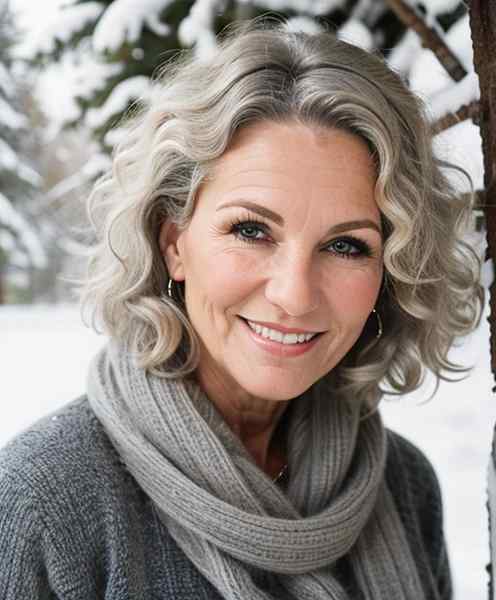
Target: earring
(178, 292)
(379, 324)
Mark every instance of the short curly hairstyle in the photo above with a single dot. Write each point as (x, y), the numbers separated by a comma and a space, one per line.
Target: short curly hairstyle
(263, 72)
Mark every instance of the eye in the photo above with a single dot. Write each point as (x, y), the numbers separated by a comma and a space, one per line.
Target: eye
(249, 231)
(350, 247)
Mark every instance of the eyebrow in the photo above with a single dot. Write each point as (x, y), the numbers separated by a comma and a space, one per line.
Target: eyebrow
(276, 218)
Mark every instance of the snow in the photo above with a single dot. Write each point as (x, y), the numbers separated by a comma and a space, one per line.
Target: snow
(303, 23)
(405, 53)
(11, 118)
(82, 75)
(197, 28)
(356, 33)
(124, 20)
(455, 95)
(6, 83)
(491, 476)
(454, 429)
(28, 14)
(61, 27)
(313, 7)
(462, 145)
(9, 161)
(124, 93)
(95, 166)
(427, 76)
(437, 7)
(13, 220)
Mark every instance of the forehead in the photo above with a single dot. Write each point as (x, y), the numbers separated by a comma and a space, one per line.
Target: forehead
(292, 149)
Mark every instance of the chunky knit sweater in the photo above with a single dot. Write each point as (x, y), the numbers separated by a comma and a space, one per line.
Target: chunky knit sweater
(74, 524)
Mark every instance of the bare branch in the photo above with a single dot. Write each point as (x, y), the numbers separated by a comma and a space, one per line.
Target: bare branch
(431, 39)
(467, 111)
(479, 199)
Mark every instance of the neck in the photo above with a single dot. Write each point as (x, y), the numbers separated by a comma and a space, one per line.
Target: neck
(257, 422)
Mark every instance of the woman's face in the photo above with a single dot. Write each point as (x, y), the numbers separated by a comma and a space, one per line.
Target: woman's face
(286, 232)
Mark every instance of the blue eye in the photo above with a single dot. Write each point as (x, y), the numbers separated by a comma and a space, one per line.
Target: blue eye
(247, 231)
(253, 231)
(349, 247)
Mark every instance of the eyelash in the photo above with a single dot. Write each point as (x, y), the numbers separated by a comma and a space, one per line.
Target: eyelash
(363, 249)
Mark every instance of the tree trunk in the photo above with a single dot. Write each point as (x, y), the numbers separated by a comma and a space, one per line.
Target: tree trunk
(483, 27)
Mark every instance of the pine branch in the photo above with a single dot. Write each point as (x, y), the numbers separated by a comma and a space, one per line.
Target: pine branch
(431, 39)
(467, 111)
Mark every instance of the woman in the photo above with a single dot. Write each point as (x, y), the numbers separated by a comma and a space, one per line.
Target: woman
(276, 240)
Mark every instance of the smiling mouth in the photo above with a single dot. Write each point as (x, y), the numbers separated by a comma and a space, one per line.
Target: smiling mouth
(315, 336)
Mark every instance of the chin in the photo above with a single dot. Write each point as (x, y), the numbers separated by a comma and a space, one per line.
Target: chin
(276, 388)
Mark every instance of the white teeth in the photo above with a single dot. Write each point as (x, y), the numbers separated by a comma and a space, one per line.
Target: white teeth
(282, 338)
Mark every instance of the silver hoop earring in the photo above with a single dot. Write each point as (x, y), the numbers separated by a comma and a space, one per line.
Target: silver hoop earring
(379, 324)
(180, 295)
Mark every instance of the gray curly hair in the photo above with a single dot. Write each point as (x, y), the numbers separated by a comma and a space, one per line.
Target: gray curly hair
(263, 72)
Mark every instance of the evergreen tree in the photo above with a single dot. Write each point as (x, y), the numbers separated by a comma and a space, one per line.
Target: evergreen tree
(20, 249)
(128, 40)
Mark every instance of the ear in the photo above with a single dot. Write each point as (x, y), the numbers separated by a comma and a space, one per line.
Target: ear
(170, 243)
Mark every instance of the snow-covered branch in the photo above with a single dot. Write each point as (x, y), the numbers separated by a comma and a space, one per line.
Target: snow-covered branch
(430, 35)
(66, 24)
(12, 220)
(10, 161)
(124, 20)
(123, 94)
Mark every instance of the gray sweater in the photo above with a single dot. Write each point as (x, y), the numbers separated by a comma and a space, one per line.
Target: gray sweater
(74, 524)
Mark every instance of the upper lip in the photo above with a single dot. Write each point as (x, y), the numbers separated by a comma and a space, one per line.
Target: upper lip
(281, 328)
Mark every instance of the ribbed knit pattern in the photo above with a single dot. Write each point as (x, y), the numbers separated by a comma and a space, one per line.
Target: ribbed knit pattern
(74, 524)
(229, 518)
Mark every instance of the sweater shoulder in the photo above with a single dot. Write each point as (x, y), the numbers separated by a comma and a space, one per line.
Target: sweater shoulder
(414, 483)
(402, 453)
(67, 452)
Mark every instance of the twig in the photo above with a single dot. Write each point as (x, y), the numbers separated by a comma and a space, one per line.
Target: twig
(467, 111)
(412, 18)
(479, 200)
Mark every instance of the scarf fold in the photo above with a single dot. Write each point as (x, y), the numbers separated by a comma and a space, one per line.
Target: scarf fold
(237, 526)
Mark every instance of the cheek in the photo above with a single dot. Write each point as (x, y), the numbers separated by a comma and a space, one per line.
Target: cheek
(356, 293)
(223, 278)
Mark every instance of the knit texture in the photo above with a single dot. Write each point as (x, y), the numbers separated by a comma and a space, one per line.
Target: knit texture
(74, 524)
(229, 518)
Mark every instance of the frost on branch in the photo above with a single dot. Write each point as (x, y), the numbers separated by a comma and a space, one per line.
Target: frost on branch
(309, 7)
(124, 20)
(66, 25)
(9, 117)
(356, 33)
(10, 162)
(15, 224)
(123, 94)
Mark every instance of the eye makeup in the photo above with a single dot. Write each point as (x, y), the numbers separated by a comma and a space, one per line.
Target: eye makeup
(249, 230)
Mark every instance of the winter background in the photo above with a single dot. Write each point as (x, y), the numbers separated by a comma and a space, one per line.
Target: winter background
(45, 350)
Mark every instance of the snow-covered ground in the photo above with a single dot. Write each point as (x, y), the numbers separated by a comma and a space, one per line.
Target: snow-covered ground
(45, 352)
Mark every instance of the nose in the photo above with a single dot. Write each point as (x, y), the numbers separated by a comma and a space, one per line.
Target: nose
(293, 285)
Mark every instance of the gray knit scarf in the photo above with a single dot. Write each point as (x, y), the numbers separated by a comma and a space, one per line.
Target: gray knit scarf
(248, 537)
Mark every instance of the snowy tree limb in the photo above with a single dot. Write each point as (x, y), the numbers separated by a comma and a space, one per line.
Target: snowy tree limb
(430, 37)
(467, 111)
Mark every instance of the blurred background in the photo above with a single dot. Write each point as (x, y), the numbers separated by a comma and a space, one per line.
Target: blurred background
(68, 73)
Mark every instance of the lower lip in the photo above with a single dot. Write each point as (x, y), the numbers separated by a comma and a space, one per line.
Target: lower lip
(277, 348)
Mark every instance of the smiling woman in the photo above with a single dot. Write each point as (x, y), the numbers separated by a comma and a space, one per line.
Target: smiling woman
(277, 244)
(309, 264)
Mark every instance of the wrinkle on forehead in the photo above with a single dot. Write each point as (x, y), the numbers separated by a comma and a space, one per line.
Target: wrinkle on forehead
(327, 174)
